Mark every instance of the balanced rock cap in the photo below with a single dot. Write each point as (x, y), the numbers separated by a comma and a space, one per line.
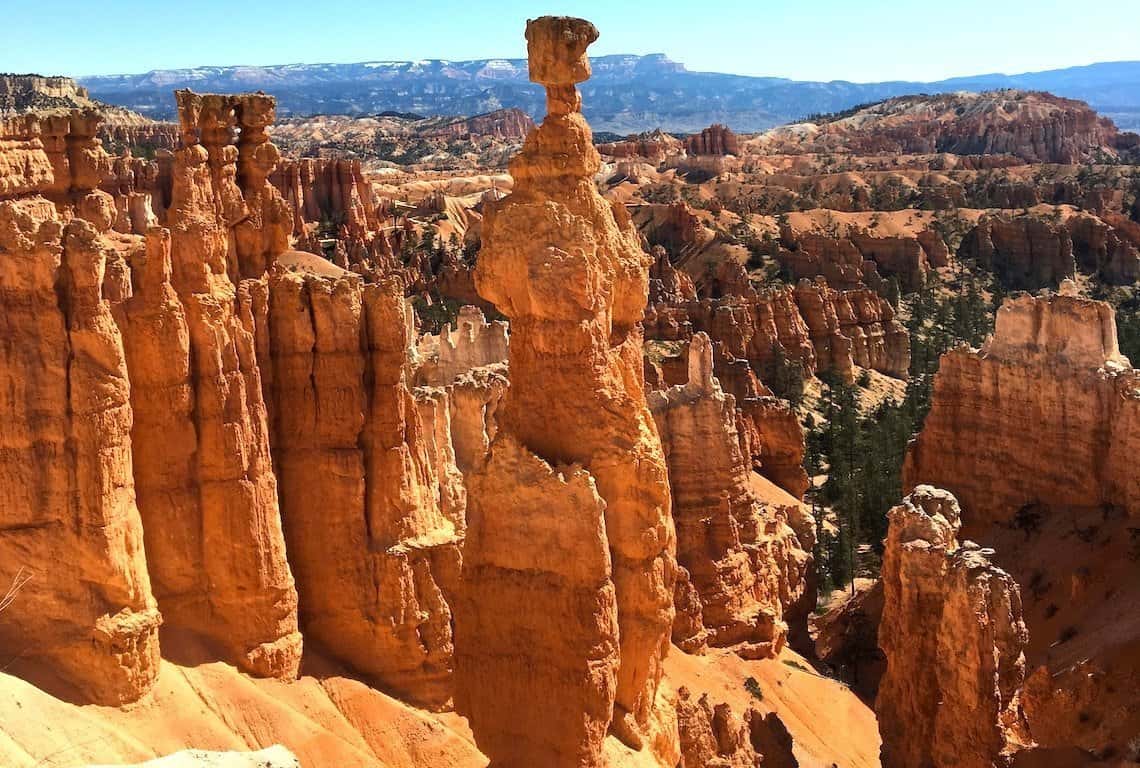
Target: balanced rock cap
(556, 49)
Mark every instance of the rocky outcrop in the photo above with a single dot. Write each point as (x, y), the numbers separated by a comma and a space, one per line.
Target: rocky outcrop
(653, 146)
(473, 343)
(714, 735)
(901, 257)
(1033, 126)
(741, 556)
(1052, 368)
(566, 602)
(1025, 252)
(853, 328)
(506, 124)
(1035, 435)
(714, 140)
(238, 590)
(1111, 251)
(328, 190)
(354, 454)
(140, 139)
(70, 531)
(954, 639)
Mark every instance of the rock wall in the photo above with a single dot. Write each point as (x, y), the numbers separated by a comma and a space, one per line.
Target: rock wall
(954, 639)
(473, 343)
(239, 590)
(1035, 434)
(373, 529)
(714, 140)
(1052, 370)
(327, 190)
(1025, 252)
(570, 514)
(737, 550)
(69, 526)
(509, 124)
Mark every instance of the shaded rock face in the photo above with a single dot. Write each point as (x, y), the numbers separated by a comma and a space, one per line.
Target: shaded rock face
(862, 260)
(1024, 252)
(954, 639)
(853, 328)
(327, 190)
(570, 514)
(741, 556)
(1036, 435)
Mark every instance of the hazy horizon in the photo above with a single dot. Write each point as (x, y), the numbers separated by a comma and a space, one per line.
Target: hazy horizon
(874, 42)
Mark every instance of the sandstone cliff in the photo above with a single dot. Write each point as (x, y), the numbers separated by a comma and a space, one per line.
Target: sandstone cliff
(86, 615)
(742, 557)
(1025, 252)
(714, 140)
(352, 452)
(1035, 435)
(570, 515)
(954, 639)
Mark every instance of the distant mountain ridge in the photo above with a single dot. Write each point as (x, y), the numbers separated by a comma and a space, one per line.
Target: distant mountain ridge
(626, 94)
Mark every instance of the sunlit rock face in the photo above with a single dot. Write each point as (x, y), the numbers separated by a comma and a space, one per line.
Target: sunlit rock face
(566, 603)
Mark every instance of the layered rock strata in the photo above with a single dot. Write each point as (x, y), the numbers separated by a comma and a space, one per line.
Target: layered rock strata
(1036, 435)
(1024, 252)
(473, 343)
(566, 602)
(225, 574)
(954, 639)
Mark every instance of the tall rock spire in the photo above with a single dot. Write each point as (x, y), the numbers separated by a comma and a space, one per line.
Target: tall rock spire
(566, 607)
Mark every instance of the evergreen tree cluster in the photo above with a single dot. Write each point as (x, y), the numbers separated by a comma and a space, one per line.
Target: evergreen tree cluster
(862, 453)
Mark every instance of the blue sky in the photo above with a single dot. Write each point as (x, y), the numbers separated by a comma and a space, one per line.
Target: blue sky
(813, 40)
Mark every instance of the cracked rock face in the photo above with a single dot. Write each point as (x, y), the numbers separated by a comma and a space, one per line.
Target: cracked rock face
(558, 644)
(954, 639)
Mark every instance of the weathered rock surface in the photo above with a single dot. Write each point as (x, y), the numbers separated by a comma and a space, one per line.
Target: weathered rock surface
(1033, 126)
(741, 556)
(352, 452)
(327, 190)
(566, 603)
(1035, 434)
(70, 531)
(954, 639)
(1053, 368)
(714, 736)
(473, 343)
(1025, 252)
(714, 140)
(239, 590)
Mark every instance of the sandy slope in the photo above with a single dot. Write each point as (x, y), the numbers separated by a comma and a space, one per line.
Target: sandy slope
(333, 721)
(830, 725)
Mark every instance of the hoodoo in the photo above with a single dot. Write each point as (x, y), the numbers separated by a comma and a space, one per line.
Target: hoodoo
(565, 606)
